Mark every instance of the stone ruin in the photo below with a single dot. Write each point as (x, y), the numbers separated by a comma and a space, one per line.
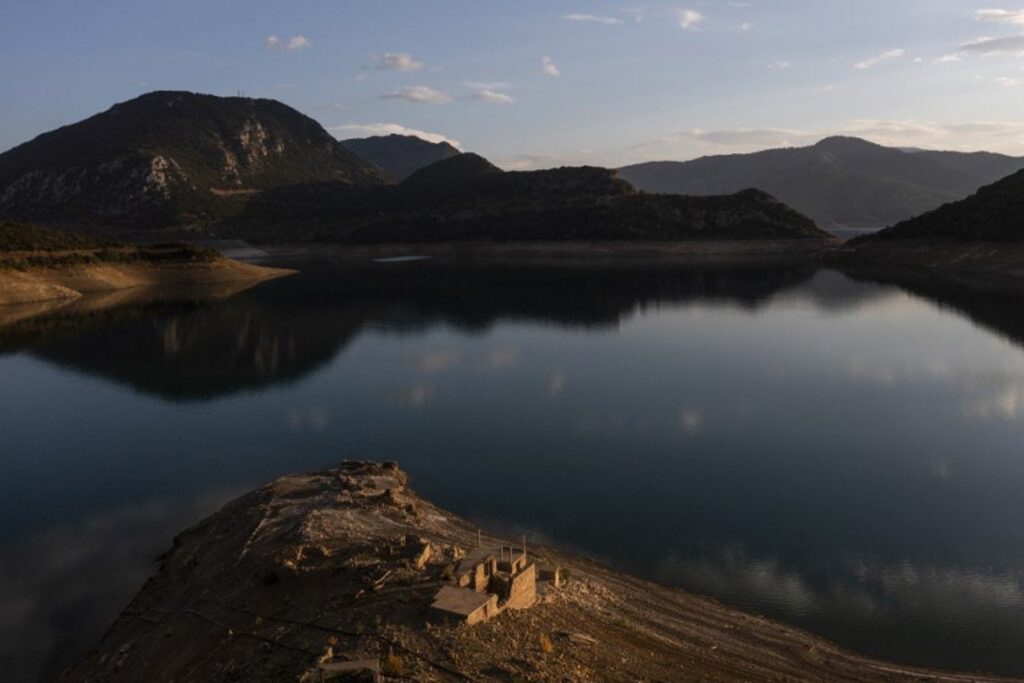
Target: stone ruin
(487, 584)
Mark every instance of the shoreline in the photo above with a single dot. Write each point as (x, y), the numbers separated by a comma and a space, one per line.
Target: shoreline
(343, 565)
(557, 251)
(38, 284)
(998, 260)
(1001, 264)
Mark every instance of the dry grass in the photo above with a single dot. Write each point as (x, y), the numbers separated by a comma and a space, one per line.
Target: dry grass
(393, 665)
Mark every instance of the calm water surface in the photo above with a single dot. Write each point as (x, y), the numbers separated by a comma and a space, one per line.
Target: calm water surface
(844, 455)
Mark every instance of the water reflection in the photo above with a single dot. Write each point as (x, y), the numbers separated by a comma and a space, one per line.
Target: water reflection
(207, 345)
(62, 586)
(936, 614)
(838, 452)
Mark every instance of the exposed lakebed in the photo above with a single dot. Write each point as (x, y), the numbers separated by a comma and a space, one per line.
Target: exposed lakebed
(839, 454)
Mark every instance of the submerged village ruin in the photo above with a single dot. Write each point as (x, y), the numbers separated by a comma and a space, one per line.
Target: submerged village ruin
(487, 585)
(350, 553)
(347, 574)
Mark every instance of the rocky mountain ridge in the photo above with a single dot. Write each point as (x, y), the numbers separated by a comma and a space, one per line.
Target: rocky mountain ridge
(171, 158)
(257, 169)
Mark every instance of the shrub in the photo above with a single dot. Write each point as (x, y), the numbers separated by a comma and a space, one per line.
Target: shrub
(393, 665)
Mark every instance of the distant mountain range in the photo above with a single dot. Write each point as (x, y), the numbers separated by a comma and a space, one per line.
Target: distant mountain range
(171, 158)
(239, 167)
(466, 198)
(841, 182)
(399, 156)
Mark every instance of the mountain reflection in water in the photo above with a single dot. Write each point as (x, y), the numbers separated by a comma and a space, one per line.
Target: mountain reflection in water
(204, 347)
(841, 453)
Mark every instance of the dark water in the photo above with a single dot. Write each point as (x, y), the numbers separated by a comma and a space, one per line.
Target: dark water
(844, 455)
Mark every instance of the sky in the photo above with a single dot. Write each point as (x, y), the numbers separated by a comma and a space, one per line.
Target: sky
(532, 83)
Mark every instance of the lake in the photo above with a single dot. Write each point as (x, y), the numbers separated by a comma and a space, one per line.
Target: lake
(840, 453)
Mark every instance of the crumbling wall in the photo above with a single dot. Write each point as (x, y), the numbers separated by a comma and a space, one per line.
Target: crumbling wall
(523, 589)
(485, 612)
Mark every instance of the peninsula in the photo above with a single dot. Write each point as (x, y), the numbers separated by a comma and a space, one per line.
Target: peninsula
(349, 571)
(44, 265)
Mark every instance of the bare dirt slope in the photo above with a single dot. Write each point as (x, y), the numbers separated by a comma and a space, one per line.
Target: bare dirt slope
(40, 283)
(324, 566)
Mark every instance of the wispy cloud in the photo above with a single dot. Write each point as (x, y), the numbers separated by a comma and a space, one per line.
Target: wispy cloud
(436, 361)
(556, 382)
(314, 419)
(293, 43)
(548, 67)
(394, 61)
(991, 46)
(688, 18)
(419, 94)
(359, 130)
(886, 56)
(525, 162)
(1003, 16)
(491, 95)
(592, 18)
(690, 420)
(488, 85)
(501, 357)
(416, 396)
(727, 139)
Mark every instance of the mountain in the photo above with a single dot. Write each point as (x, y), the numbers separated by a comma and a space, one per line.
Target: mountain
(448, 175)
(400, 155)
(839, 182)
(171, 158)
(466, 198)
(240, 167)
(994, 214)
